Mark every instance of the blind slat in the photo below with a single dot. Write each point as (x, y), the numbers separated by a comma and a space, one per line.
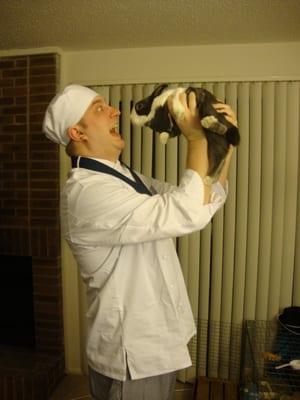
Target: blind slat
(229, 225)
(255, 114)
(279, 195)
(125, 121)
(147, 140)
(241, 205)
(292, 177)
(266, 201)
(137, 133)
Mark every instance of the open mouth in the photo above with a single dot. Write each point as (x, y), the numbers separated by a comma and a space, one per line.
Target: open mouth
(114, 130)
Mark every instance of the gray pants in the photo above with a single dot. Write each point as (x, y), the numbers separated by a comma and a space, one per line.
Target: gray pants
(160, 387)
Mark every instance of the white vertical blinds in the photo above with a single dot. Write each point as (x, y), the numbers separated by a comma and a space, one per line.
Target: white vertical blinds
(246, 263)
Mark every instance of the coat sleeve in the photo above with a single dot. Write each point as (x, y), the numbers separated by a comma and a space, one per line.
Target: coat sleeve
(157, 186)
(110, 212)
(164, 187)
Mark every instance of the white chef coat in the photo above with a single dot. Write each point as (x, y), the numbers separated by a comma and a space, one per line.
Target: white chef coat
(139, 313)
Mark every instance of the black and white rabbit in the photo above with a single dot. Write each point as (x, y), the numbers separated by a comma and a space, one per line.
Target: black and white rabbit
(153, 112)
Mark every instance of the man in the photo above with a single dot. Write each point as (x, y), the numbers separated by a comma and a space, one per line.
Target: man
(119, 226)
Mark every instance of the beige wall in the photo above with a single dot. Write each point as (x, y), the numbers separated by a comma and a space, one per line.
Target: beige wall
(191, 63)
(172, 64)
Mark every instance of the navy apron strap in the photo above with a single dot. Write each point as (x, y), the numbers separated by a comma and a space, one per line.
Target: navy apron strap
(88, 163)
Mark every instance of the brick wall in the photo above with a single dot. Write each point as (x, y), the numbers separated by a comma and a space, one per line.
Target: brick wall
(29, 187)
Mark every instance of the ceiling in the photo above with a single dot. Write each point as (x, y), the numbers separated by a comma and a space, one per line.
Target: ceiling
(107, 24)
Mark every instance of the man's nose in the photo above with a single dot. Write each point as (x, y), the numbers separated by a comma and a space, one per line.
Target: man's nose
(114, 112)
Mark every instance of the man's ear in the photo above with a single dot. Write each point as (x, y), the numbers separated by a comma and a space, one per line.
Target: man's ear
(76, 134)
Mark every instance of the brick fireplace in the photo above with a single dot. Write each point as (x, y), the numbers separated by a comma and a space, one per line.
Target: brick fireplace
(29, 221)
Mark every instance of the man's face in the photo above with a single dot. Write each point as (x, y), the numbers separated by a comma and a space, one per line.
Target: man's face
(101, 125)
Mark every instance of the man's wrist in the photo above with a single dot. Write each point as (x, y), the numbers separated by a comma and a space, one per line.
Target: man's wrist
(194, 140)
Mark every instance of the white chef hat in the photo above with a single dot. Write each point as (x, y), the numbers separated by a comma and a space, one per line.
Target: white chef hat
(66, 109)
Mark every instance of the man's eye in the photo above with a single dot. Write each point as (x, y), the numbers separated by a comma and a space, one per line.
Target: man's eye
(99, 108)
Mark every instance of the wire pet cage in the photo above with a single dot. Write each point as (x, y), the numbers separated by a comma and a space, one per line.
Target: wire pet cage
(269, 367)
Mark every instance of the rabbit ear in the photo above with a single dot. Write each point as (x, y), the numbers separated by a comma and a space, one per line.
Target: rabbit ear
(158, 90)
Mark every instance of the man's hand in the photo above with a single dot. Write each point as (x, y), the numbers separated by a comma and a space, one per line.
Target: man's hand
(189, 123)
(227, 111)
